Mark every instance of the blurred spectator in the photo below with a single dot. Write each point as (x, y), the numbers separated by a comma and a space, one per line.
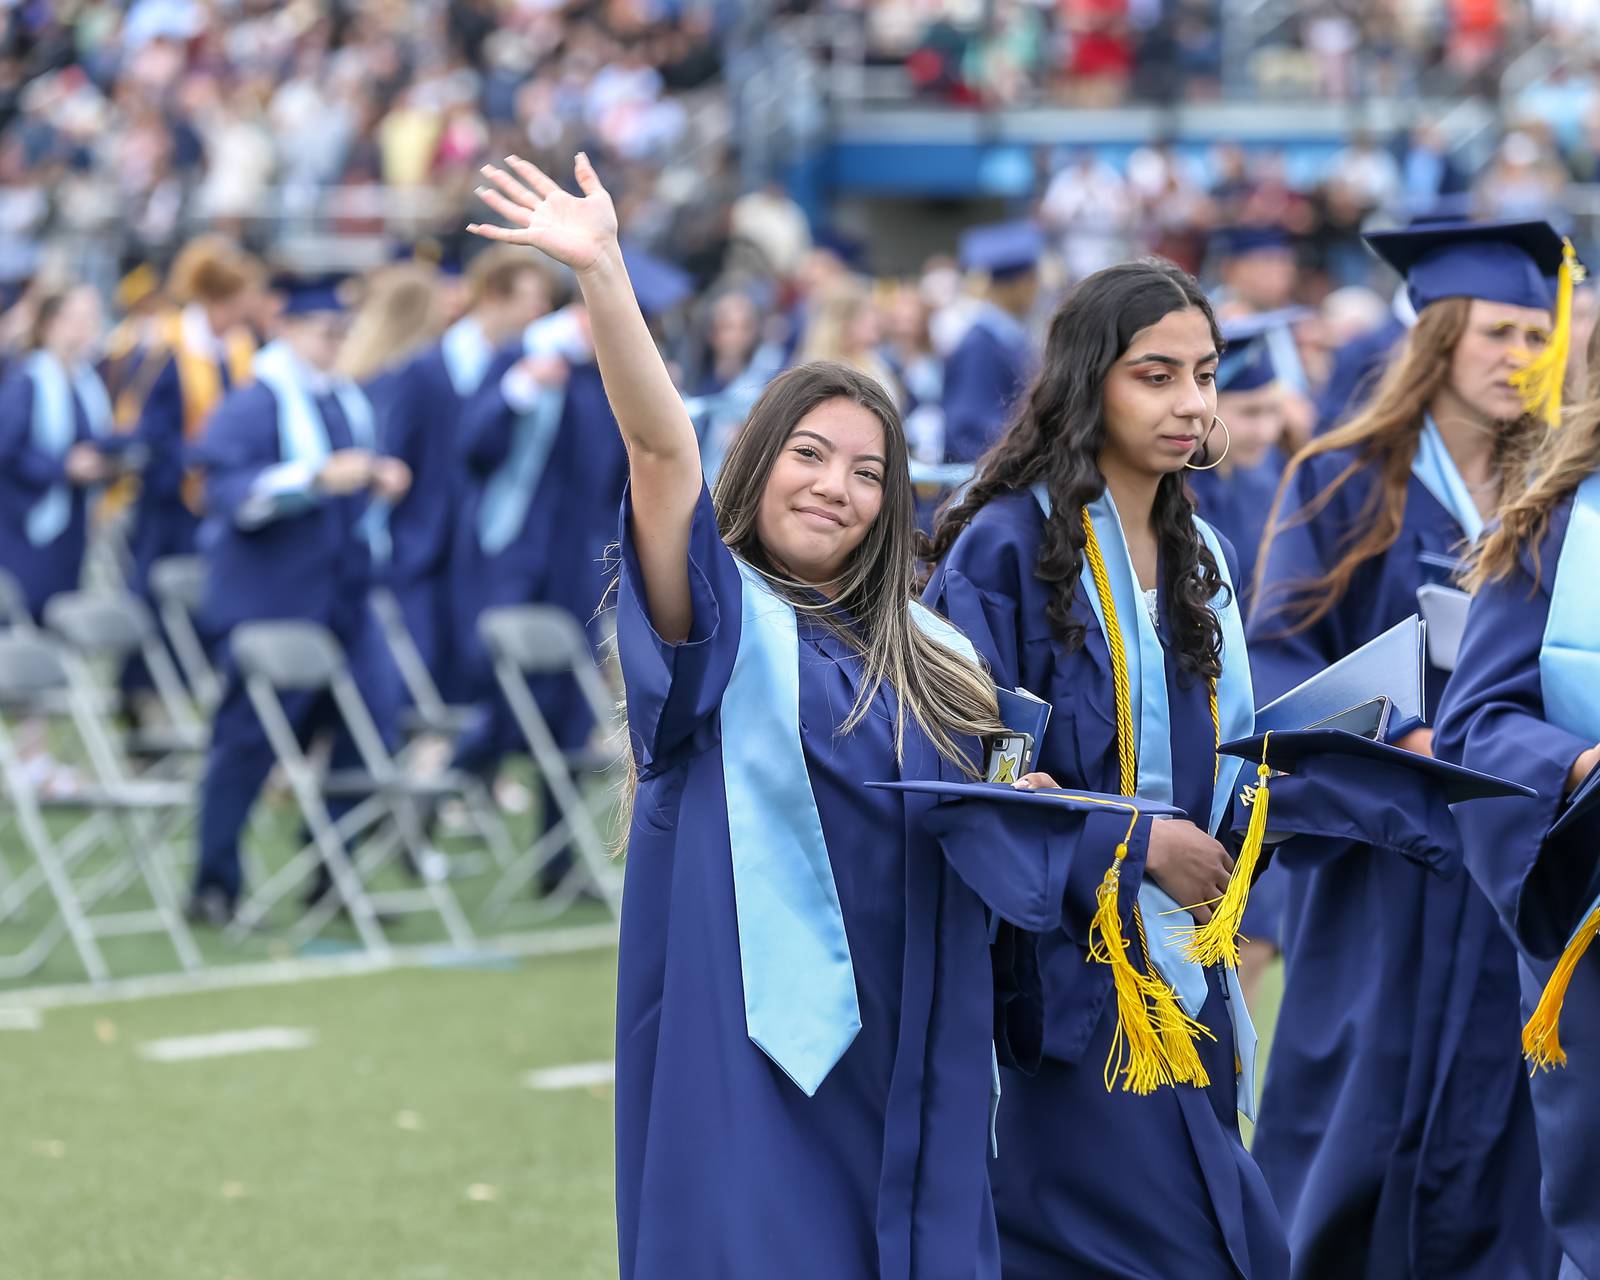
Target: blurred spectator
(1087, 209)
(845, 326)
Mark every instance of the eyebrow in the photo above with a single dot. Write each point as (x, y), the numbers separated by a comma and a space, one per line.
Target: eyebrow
(862, 457)
(1171, 361)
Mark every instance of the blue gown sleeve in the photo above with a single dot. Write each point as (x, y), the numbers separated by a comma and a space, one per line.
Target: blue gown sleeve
(1339, 801)
(1298, 553)
(488, 423)
(239, 450)
(675, 690)
(160, 430)
(1492, 718)
(27, 465)
(976, 387)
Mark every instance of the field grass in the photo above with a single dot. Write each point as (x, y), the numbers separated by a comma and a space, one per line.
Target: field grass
(402, 1144)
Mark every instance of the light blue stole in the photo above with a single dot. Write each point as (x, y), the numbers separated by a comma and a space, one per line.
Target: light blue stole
(1168, 927)
(54, 430)
(302, 433)
(466, 354)
(1436, 469)
(509, 491)
(1569, 656)
(799, 985)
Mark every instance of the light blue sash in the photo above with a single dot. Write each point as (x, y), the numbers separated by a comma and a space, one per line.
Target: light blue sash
(1569, 657)
(466, 354)
(1168, 927)
(303, 435)
(1434, 466)
(799, 985)
(509, 491)
(54, 430)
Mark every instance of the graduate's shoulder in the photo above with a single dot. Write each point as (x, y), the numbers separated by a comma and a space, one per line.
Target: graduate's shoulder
(1348, 474)
(1539, 560)
(243, 408)
(1003, 536)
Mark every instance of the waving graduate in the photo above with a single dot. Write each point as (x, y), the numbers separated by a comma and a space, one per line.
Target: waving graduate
(1395, 1122)
(1524, 701)
(806, 991)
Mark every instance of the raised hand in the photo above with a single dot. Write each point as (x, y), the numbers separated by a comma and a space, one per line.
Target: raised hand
(576, 231)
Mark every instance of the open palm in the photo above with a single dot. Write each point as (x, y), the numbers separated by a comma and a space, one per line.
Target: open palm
(574, 230)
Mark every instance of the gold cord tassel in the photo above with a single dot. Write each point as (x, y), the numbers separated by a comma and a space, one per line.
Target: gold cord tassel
(1217, 941)
(1154, 1040)
(1540, 382)
(1541, 1041)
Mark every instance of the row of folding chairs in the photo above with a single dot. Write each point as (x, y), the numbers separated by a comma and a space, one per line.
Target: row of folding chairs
(142, 791)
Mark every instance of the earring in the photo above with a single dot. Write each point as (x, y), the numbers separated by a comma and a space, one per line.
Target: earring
(1227, 441)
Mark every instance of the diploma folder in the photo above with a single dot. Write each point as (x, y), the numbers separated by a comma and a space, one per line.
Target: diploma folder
(1444, 613)
(1389, 667)
(1290, 748)
(1583, 809)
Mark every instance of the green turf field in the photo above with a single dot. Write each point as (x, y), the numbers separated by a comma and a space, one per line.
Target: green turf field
(403, 1144)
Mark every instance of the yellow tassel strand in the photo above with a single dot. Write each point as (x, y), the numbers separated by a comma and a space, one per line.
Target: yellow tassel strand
(1154, 1040)
(1217, 941)
(1541, 1040)
(1541, 380)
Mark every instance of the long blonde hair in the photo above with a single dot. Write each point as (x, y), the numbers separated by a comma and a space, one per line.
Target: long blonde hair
(398, 315)
(1383, 437)
(835, 311)
(1567, 457)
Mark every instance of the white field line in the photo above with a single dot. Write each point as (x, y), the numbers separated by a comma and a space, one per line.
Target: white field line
(19, 1018)
(579, 1075)
(226, 1044)
(307, 968)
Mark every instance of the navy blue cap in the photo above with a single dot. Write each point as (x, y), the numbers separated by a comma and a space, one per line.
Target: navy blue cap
(307, 295)
(1074, 798)
(1511, 262)
(657, 284)
(1235, 242)
(1003, 249)
(1247, 363)
(1294, 750)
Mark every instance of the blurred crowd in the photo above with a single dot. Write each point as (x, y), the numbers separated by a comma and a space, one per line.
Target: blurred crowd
(1100, 52)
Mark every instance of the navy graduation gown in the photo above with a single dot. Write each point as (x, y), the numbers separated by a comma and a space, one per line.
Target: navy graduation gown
(724, 1168)
(418, 415)
(1236, 504)
(1090, 1182)
(312, 564)
(1492, 718)
(558, 557)
(1357, 368)
(163, 524)
(26, 475)
(1394, 1126)
(983, 376)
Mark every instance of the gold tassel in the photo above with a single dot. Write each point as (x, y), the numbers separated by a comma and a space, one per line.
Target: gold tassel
(1540, 382)
(1541, 1041)
(1153, 1043)
(1217, 941)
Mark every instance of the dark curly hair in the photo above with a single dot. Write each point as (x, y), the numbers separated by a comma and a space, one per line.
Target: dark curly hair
(1056, 436)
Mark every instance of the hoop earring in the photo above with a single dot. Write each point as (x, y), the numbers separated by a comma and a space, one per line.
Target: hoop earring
(1227, 442)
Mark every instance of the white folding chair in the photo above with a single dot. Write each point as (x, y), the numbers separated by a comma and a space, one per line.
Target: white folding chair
(524, 641)
(178, 584)
(285, 656)
(118, 837)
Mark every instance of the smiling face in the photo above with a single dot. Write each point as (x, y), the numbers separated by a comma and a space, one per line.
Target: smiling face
(824, 491)
(1497, 341)
(1160, 397)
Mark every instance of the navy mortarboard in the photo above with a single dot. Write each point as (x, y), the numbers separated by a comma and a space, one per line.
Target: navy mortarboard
(1002, 249)
(1521, 264)
(1247, 363)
